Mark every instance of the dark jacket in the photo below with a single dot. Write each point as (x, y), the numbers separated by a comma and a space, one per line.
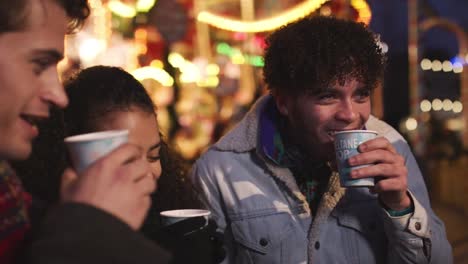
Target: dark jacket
(77, 233)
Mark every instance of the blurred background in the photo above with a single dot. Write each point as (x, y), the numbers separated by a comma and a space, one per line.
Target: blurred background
(201, 61)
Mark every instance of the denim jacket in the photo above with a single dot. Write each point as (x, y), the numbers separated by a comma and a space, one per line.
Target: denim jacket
(266, 219)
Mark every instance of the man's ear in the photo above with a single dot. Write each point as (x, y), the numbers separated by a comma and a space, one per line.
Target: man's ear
(282, 104)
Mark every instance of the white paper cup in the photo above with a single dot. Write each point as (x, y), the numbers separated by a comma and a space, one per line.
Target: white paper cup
(84, 149)
(346, 144)
(174, 216)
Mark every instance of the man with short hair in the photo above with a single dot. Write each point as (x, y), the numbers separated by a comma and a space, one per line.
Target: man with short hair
(104, 206)
(271, 183)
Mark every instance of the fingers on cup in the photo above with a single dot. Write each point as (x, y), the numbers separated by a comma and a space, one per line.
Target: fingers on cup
(372, 157)
(390, 184)
(381, 169)
(377, 143)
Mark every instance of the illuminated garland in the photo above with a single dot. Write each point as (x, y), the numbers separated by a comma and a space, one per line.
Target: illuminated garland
(150, 72)
(237, 57)
(446, 66)
(126, 10)
(364, 12)
(272, 23)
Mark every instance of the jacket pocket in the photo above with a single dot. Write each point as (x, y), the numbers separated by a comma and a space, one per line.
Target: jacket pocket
(261, 239)
(363, 235)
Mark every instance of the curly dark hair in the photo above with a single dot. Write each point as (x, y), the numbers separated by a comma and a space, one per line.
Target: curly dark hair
(14, 14)
(310, 54)
(101, 90)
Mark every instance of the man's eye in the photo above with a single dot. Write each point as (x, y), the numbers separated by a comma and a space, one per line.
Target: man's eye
(41, 64)
(325, 97)
(364, 94)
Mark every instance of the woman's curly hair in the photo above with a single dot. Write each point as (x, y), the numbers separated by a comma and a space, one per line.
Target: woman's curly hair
(312, 53)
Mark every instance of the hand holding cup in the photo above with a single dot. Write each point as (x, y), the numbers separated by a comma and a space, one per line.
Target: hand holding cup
(118, 182)
(388, 166)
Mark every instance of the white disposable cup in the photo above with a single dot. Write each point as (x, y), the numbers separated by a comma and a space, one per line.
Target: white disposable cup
(84, 149)
(346, 144)
(174, 216)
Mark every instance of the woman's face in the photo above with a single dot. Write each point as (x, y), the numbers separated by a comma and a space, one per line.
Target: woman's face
(143, 132)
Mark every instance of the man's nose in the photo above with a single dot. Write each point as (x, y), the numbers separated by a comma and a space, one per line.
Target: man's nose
(347, 112)
(54, 93)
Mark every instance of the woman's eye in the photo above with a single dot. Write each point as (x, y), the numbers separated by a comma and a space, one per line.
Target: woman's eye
(153, 158)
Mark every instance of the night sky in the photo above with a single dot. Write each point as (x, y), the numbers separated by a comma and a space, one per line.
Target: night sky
(390, 20)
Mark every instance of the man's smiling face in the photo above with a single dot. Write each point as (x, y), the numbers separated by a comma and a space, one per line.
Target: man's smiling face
(314, 118)
(29, 83)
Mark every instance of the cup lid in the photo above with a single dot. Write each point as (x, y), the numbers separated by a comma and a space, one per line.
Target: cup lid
(96, 135)
(185, 213)
(356, 131)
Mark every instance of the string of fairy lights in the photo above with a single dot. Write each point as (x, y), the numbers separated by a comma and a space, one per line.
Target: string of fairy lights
(446, 66)
(271, 23)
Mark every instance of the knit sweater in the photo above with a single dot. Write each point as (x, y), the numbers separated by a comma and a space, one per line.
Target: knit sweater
(14, 219)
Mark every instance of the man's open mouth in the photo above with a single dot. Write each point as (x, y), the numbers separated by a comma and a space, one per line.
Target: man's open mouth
(33, 120)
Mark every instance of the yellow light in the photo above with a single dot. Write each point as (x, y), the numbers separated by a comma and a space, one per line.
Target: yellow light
(363, 10)
(268, 24)
(90, 49)
(447, 66)
(436, 65)
(189, 67)
(212, 81)
(212, 69)
(176, 60)
(447, 105)
(121, 9)
(455, 124)
(238, 58)
(190, 72)
(411, 124)
(457, 107)
(457, 67)
(141, 34)
(437, 104)
(325, 11)
(141, 48)
(145, 5)
(157, 64)
(261, 25)
(425, 105)
(426, 64)
(156, 74)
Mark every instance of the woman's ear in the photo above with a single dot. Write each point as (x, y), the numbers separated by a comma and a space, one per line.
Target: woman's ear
(282, 104)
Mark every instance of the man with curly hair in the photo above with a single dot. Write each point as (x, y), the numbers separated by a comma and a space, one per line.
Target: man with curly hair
(271, 182)
(101, 208)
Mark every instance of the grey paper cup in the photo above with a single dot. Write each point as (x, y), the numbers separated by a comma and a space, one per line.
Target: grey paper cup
(174, 216)
(346, 143)
(84, 149)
